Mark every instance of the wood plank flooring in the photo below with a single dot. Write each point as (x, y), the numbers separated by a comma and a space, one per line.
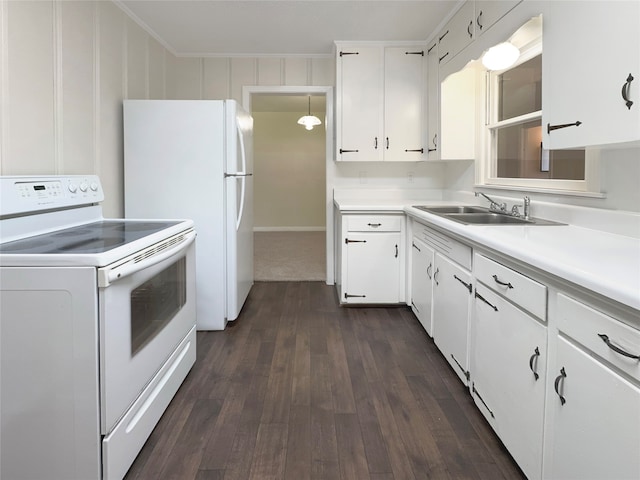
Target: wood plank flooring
(300, 388)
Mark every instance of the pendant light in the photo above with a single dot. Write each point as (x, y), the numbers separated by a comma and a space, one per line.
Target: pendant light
(309, 121)
(500, 56)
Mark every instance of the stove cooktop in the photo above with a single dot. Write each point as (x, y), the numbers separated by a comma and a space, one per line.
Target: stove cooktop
(97, 237)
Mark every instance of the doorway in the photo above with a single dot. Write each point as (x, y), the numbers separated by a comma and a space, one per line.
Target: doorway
(290, 194)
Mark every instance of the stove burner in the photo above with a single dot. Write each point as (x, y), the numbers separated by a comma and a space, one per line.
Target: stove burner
(91, 244)
(19, 245)
(71, 233)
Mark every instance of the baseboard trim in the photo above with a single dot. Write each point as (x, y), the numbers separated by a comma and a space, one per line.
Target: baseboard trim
(289, 229)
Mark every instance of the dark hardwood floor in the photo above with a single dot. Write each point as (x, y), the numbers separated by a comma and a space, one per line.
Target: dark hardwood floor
(300, 388)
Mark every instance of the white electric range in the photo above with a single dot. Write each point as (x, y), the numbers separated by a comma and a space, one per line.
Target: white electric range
(97, 328)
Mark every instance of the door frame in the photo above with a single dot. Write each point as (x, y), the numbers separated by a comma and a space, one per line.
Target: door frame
(327, 91)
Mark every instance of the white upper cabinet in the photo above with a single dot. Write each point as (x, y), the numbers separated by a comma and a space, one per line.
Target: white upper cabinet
(457, 33)
(489, 12)
(380, 103)
(591, 74)
(404, 79)
(359, 102)
(433, 103)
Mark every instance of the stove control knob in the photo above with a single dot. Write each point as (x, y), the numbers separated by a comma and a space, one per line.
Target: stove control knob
(94, 186)
(73, 188)
(83, 187)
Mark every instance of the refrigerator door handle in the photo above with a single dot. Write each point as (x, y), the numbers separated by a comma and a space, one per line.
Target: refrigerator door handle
(238, 175)
(243, 173)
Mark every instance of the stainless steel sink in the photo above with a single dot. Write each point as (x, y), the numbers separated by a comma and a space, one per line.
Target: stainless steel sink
(472, 215)
(452, 209)
(488, 219)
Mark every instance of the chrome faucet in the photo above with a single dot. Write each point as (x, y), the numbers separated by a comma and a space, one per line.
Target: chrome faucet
(495, 206)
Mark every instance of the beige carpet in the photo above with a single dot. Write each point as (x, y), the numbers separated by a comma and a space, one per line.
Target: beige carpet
(289, 256)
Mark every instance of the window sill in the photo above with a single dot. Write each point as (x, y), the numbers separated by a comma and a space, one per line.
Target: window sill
(547, 191)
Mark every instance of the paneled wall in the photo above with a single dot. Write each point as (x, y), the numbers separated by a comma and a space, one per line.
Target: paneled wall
(66, 66)
(219, 78)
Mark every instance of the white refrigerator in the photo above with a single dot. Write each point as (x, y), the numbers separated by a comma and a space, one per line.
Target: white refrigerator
(194, 159)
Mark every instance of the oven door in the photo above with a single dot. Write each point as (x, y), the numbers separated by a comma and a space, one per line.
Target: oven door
(147, 307)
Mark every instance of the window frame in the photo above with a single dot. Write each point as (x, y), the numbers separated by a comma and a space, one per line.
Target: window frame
(486, 173)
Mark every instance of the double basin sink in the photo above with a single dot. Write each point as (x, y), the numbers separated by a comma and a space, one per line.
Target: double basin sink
(471, 215)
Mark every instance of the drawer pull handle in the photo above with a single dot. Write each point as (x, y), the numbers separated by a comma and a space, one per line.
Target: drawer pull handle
(532, 360)
(375, 143)
(467, 285)
(556, 385)
(508, 284)
(374, 225)
(346, 240)
(435, 276)
(429, 268)
(616, 349)
(396, 256)
(486, 301)
(415, 246)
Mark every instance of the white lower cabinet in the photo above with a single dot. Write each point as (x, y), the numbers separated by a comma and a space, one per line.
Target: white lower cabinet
(593, 408)
(422, 258)
(509, 358)
(372, 259)
(451, 305)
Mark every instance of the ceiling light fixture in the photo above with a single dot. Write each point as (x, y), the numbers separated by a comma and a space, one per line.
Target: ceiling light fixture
(309, 121)
(500, 56)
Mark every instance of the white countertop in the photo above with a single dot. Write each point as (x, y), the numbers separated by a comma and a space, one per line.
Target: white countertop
(602, 262)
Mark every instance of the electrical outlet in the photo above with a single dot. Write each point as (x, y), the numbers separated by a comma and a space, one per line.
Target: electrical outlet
(363, 177)
(410, 177)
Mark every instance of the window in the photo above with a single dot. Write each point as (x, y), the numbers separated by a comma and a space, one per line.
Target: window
(514, 154)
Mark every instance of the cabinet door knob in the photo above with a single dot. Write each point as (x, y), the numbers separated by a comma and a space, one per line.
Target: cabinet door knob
(532, 360)
(625, 91)
(478, 20)
(556, 385)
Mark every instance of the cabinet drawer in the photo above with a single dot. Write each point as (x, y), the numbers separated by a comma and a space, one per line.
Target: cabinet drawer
(589, 327)
(456, 251)
(374, 223)
(520, 289)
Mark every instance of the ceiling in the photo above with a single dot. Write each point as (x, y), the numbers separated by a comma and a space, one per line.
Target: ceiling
(207, 28)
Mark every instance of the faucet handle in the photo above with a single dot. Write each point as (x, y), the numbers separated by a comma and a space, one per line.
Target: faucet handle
(514, 210)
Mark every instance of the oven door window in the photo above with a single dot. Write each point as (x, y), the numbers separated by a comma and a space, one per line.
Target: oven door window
(155, 302)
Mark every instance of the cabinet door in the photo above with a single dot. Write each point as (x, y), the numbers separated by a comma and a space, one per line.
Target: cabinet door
(359, 104)
(403, 103)
(509, 365)
(586, 62)
(372, 273)
(457, 33)
(422, 257)
(433, 103)
(489, 12)
(451, 304)
(595, 425)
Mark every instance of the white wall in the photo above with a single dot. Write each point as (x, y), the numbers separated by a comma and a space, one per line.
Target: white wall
(66, 66)
(289, 173)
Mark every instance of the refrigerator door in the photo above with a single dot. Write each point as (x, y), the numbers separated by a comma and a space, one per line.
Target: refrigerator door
(239, 207)
(174, 164)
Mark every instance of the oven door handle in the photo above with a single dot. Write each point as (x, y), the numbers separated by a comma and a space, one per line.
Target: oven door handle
(106, 276)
